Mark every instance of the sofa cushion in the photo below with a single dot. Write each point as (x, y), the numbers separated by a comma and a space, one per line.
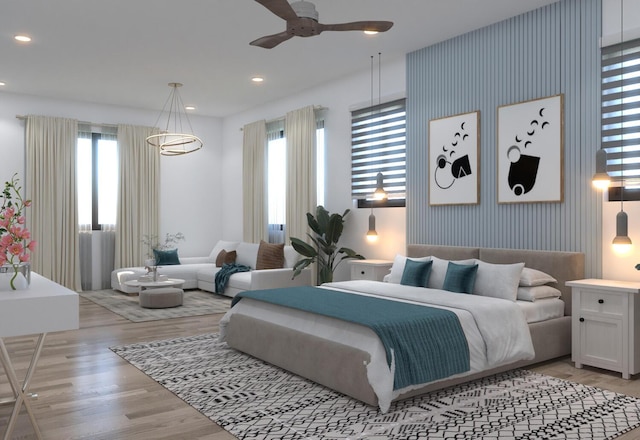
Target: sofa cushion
(166, 258)
(270, 256)
(291, 257)
(222, 245)
(226, 257)
(240, 281)
(247, 254)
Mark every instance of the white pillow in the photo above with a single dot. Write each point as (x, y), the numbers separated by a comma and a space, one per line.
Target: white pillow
(397, 269)
(533, 277)
(291, 257)
(222, 245)
(247, 254)
(537, 292)
(439, 271)
(498, 280)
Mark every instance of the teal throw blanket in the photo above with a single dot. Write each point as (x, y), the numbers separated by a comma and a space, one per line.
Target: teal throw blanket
(223, 275)
(428, 343)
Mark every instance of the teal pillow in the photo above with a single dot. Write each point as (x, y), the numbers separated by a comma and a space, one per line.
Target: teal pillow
(166, 258)
(416, 273)
(460, 278)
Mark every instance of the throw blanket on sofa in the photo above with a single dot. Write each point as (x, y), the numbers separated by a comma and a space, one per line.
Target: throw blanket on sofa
(424, 343)
(223, 275)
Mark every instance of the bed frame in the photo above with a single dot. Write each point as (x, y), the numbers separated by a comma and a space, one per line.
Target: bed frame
(342, 368)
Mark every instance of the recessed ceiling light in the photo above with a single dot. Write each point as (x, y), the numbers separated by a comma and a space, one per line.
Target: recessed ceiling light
(257, 79)
(189, 107)
(2, 83)
(370, 32)
(22, 38)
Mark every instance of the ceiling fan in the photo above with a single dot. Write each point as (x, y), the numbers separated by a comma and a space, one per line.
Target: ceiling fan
(302, 21)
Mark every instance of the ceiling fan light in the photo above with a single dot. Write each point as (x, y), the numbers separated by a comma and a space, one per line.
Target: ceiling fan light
(370, 32)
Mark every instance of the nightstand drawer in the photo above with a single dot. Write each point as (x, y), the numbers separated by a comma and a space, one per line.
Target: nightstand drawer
(373, 270)
(602, 302)
(362, 272)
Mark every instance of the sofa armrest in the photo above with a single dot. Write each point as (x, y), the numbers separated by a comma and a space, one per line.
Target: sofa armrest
(274, 278)
(194, 260)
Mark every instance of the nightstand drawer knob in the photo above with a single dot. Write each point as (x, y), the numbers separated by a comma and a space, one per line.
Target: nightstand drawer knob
(600, 301)
(581, 319)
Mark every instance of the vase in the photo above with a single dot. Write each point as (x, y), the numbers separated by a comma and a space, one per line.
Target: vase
(15, 277)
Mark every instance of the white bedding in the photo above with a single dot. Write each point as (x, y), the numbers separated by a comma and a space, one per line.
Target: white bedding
(542, 309)
(496, 330)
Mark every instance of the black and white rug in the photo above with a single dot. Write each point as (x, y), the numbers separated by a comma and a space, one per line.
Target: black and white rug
(252, 399)
(195, 303)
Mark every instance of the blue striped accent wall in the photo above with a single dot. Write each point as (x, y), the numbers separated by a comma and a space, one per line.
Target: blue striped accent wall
(549, 51)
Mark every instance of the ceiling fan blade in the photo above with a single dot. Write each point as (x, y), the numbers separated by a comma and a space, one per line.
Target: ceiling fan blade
(271, 41)
(281, 8)
(380, 26)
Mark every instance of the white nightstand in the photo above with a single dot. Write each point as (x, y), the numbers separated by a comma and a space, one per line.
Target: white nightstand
(604, 330)
(373, 270)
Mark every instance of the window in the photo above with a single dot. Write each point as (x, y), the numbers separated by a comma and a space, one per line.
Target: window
(621, 113)
(97, 178)
(378, 144)
(277, 176)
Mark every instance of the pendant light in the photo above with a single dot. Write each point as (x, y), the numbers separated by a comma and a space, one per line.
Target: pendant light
(622, 243)
(174, 140)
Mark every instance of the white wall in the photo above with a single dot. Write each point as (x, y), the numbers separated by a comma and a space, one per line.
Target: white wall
(191, 184)
(339, 97)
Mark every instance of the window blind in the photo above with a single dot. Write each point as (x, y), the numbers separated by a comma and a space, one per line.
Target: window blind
(378, 144)
(621, 108)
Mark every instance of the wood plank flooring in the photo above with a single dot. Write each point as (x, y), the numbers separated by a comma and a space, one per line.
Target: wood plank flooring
(85, 391)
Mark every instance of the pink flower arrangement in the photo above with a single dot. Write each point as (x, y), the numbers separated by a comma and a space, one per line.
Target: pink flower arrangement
(15, 238)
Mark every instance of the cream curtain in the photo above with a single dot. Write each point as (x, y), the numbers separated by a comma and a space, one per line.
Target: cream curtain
(51, 185)
(300, 130)
(138, 194)
(254, 182)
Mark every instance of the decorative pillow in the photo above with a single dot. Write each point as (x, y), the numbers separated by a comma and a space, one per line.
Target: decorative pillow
(416, 273)
(247, 254)
(439, 271)
(222, 245)
(166, 258)
(460, 278)
(498, 280)
(397, 269)
(225, 257)
(270, 256)
(533, 277)
(537, 292)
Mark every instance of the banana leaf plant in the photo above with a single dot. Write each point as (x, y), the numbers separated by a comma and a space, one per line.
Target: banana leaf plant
(327, 229)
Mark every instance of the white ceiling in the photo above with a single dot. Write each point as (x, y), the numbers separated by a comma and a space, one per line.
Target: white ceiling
(124, 52)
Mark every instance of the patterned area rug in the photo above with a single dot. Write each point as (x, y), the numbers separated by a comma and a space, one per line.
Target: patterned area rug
(195, 303)
(252, 399)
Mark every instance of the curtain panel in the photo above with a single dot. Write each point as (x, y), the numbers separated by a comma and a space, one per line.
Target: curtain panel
(51, 185)
(138, 194)
(300, 133)
(254, 182)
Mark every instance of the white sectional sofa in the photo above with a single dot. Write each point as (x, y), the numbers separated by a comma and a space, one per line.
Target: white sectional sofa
(199, 272)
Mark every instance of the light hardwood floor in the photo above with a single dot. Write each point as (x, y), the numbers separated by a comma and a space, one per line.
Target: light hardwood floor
(85, 391)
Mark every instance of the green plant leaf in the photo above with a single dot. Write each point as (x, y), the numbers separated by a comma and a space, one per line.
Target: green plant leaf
(300, 265)
(322, 216)
(334, 228)
(304, 249)
(313, 224)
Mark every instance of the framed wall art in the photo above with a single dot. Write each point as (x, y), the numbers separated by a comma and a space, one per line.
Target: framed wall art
(530, 151)
(454, 162)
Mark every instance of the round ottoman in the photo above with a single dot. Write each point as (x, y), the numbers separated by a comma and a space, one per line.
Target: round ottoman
(161, 298)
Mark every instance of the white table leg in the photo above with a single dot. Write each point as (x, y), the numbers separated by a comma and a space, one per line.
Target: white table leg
(20, 392)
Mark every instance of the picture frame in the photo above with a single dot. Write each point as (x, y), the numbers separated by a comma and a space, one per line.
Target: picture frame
(454, 160)
(531, 145)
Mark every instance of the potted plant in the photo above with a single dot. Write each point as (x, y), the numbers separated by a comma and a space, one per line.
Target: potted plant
(327, 230)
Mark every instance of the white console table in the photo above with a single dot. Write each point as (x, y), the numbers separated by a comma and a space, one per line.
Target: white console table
(44, 307)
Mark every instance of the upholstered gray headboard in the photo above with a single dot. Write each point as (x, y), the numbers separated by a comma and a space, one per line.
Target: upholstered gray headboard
(563, 266)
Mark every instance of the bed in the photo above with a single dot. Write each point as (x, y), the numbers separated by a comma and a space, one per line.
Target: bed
(347, 357)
